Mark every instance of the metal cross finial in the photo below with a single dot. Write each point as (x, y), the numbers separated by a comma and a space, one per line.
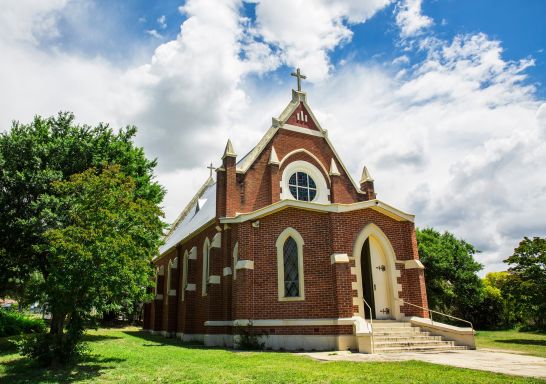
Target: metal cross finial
(299, 76)
(211, 168)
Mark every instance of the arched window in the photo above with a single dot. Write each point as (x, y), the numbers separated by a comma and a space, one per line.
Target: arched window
(302, 186)
(206, 267)
(290, 265)
(291, 274)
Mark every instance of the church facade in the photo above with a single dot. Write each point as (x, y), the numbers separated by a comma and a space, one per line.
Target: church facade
(285, 243)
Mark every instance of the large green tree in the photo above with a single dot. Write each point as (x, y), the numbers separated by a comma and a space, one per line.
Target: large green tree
(34, 156)
(453, 286)
(98, 260)
(528, 266)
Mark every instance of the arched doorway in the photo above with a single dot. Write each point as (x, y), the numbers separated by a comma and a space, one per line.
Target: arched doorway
(376, 274)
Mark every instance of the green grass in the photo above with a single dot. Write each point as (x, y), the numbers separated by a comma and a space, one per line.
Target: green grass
(129, 356)
(529, 343)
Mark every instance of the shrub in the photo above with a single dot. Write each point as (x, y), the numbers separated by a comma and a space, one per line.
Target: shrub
(248, 338)
(48, 351)
(16, 323)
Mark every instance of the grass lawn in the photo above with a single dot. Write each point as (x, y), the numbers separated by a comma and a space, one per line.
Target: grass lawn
(529, 343)
(129, 356)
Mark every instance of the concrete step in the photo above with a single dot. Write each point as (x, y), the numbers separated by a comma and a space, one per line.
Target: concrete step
(385, 338)
(413, 343)
(420, 348)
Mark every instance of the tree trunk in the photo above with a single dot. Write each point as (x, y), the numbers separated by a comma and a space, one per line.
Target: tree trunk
(56, 330)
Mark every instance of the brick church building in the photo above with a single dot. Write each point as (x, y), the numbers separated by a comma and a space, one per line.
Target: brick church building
(284, 241)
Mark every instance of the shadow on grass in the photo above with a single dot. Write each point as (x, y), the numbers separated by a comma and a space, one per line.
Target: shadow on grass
(541, 343)
(23, 370)
(94, 338)
(161, 341)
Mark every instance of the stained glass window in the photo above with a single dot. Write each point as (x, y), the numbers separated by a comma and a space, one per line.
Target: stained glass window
(291, 273)
(302, 186)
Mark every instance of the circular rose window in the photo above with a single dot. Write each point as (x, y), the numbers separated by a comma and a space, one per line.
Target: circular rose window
(302, 186)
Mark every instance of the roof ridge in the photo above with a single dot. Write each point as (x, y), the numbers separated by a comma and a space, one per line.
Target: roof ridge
(208, 183)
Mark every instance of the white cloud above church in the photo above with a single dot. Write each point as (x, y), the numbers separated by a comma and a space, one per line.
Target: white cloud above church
(457, 138)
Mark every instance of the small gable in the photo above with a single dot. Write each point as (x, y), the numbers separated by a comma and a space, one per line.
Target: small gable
(302, 118)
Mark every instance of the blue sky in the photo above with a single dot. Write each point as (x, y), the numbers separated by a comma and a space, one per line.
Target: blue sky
(520, 27)
(443, 101)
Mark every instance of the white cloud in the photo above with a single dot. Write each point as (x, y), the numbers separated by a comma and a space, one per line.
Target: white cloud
(162, 21)
(409, 18)
(457, 138)
(306, 31)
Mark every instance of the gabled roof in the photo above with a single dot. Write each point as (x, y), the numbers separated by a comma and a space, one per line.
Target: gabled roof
(200, 210)
(297, 97)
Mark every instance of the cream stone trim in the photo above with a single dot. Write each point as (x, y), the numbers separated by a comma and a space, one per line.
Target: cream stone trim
(413, 264)
(306, 131)
(161, 271)
(289, 232)
(333, 168)
(354, 285)
(227, 271)
(303, 150)
(216, 241)
(339, 258)
(372, 230)
(174, 263)
(214, 279)
(273, 158)
(185, 265)
(159, 296)
(190, 287)
(245, 264)
(193, 253)
(334, 208)
(172, 292)
(282, 322)
(235, 259)
(206, 266)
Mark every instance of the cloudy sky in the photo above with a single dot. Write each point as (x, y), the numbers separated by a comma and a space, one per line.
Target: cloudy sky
(444, 101)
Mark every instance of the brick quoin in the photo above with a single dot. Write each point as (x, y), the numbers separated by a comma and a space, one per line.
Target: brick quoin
(329, 288)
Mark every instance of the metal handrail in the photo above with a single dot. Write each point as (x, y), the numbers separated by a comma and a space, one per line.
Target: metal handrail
(371, 320)
(431, 311)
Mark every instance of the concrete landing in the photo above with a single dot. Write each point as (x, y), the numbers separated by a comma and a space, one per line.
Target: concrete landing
(483, 360)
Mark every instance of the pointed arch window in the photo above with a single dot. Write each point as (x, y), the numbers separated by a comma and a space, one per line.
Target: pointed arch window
(206, 267)
(184, 275)
(290, 265)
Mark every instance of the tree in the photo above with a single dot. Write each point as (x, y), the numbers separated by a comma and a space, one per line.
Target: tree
(528, 265)
(34, 156)
(453, 286)
(99, 260)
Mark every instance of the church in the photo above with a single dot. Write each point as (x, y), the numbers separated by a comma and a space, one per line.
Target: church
(283, 242)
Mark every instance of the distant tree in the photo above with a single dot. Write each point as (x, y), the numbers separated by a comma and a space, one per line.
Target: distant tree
(99, 260)
(500, 307)
(34, 156)
(453, 286)
(528, 266)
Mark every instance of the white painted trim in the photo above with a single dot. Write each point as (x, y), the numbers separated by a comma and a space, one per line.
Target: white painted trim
(193, 253)
(334, 208)
(372, 230)
(245, 264)
(290, 232)
(323, 192)
(206, 266)
(190, 287)
(306, 131)
(227, 271)
(214, 279)
(284, 322)
(235, 259)
(303, 150)
(339, 258)
(185, 265)
(216, 241)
